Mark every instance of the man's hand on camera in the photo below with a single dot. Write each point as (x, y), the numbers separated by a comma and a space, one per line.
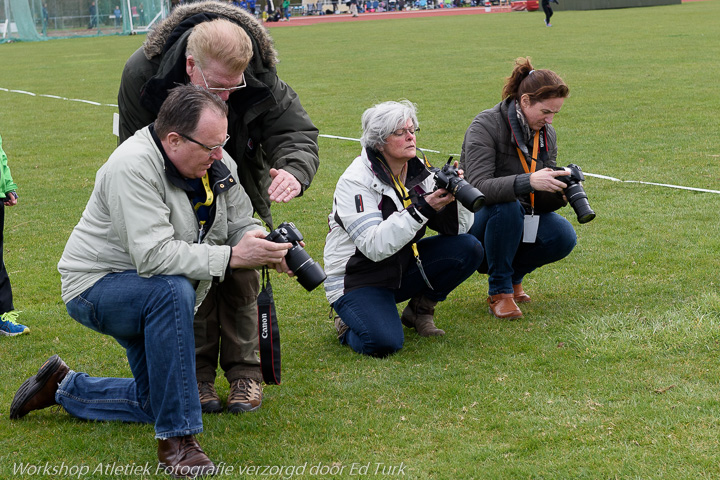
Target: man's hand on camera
(253, 251)
(439, 199)
(282, 267)
(544, 180)
(284, 186)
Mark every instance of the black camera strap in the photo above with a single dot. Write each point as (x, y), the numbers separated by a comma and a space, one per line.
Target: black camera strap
(268, 332)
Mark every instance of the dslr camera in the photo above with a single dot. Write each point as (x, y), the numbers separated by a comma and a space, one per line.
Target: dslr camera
(448, 178)
(575, 193)
(307, 271)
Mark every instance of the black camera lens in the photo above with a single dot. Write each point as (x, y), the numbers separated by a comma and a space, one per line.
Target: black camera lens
(449, 179)
(308, 272)
(578, 201)
(469, 196)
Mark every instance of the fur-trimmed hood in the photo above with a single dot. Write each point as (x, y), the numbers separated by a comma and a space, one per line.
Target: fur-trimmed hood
(157, 38)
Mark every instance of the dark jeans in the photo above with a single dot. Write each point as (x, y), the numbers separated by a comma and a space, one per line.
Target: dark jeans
(152, 319)
(499, 228)
(6, 296)
(371, 312)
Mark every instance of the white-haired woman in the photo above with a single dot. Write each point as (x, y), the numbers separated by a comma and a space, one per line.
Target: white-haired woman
(375, 253)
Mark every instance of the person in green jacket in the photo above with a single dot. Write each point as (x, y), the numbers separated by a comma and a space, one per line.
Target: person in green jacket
(8, 314)
(272, 140)
(286, 9)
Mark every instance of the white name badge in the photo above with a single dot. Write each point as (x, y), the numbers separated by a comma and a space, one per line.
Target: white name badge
(531, 227)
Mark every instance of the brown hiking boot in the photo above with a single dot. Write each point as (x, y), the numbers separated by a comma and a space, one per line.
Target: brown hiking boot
(245, 395)
(341, 327)
(209, 400)
(419, 315)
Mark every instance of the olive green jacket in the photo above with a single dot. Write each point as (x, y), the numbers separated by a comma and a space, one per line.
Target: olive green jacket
(268, 126)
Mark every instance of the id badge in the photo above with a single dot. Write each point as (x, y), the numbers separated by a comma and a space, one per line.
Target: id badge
(531, 228)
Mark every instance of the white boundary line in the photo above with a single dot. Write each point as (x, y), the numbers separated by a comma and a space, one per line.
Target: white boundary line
(59, 98)
(337, 137)
(605, 177)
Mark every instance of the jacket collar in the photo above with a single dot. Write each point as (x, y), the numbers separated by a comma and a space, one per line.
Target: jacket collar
(219, 174)
(263, 49)
(417, 171)
(518, 133)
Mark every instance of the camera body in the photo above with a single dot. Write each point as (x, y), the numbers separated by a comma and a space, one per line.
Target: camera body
(447, 177)
(308, 272)
(575, 193)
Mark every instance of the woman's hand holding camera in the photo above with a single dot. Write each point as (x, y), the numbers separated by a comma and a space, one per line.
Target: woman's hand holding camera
(439, 199)
(544, 180)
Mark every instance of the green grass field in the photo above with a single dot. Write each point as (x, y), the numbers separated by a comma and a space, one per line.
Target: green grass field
(613, 371)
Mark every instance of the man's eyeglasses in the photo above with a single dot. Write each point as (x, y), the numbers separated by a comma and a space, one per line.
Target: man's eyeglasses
(218, 89)
(401, 132)
(209, 149)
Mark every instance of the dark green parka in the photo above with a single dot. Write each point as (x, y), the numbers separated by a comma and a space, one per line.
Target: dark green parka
(268, 126)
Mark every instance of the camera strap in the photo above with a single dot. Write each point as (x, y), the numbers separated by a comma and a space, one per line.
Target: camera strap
(533, 163)
(406, 202)
(268, 332)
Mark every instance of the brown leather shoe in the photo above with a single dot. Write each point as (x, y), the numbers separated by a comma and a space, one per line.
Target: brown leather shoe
(502, 305)
(38, 391)
(182, 457)
(519, 294)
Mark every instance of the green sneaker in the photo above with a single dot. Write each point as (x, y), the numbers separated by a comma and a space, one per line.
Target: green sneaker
(9, 326)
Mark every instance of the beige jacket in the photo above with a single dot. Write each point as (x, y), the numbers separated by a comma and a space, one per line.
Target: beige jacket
(136, 219)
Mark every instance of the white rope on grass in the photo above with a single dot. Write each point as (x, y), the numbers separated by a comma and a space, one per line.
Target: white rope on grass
(59, 98)
(680, 187)
(337, 137)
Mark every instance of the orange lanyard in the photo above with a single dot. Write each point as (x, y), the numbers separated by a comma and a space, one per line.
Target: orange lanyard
(533, 164)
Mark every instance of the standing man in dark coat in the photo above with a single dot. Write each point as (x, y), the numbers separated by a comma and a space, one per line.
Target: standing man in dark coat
(271, 137)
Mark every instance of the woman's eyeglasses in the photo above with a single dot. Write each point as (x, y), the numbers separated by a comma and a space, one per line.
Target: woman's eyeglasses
(401, 132)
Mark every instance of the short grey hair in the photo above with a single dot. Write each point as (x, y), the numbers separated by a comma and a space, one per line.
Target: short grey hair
(380, 121)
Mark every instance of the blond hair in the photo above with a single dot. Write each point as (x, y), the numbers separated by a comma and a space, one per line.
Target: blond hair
(222, 41)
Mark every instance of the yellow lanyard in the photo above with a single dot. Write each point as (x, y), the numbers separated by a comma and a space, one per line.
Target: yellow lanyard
(209, 198)
(406, 202)
(536, 144)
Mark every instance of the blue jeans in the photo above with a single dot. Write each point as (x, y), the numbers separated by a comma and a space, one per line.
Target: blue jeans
(371, 312)
(499, 228)
(152, 318)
